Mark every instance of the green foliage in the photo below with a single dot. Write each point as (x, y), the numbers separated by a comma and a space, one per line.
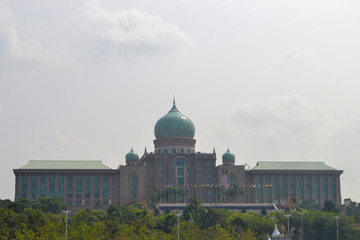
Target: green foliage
(194, 211)
(263, 212)
(329, 206)
(50, 205)
(18, 220)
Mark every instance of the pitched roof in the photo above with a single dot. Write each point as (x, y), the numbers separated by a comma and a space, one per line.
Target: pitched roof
(62, 164)
(280, 165)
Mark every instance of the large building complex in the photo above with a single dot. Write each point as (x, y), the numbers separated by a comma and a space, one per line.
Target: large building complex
(175, 172)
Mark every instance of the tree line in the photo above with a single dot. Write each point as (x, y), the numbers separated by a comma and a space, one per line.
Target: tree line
(43, 219)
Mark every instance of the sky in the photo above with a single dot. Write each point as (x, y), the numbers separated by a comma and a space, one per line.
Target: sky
(272, 80)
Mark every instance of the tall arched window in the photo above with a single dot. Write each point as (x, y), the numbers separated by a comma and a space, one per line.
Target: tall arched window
(180, 163)
(133, 187)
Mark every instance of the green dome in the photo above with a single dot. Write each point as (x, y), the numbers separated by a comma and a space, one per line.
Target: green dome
(132, 156)
(174, 124)
(228, 156)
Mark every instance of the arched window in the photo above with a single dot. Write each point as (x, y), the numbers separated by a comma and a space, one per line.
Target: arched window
(180, 163)
(133, 187)
(182, 150)
(166, 151)
(232, 181)
(173, 150)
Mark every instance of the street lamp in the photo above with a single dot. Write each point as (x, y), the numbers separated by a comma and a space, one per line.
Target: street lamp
(66, 214)
(302, 226)
(287, 216)
(337, 227)
(178, 216)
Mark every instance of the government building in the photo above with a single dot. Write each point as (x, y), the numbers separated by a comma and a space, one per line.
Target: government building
(174, 172)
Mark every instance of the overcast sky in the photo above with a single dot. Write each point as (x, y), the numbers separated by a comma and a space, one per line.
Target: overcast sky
(272, 80)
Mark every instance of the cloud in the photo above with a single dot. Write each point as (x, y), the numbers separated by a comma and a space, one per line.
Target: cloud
(285, 110)
(302, 59)
(280, 128)
(132, 30)
(13, 49)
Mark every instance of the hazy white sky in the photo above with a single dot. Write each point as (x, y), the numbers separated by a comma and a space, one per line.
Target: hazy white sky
(272, 80)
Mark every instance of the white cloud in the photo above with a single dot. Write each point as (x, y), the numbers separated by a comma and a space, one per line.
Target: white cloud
(13, 49)
(133, 30)
(281, 128)
(302, 59)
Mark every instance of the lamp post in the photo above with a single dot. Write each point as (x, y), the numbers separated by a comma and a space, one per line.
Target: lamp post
(288, 226)
(178, 217)
(302, 226)
(66, 214)
(337, 227)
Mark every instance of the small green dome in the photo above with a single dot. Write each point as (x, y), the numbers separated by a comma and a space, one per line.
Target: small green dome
(228, 156)
(132, 156)
(174, 124)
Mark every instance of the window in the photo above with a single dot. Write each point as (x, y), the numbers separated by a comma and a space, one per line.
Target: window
(173, 150)
(87, 186)
(96, 186)
(166, 151)
(232, 181)
(200, 180)
(78, 186)
(209, 173)
(188, 171)
(259, 186)
(69, 186)
(200, 173)
(209, 181)
(324, 186)
(199, 162)
(332, 187)
(24, 189)
(160, 173)
(52, 186)
(105, 186)
(308, 187)
(316, 186)
(284, 186)
(188, 181)
(267, 188)
(151, 173)
(208, 163)
(151, 162)
(276, 186)
(42, 185)
(172, 182)
(180, 164)
(300, 187)
(158, 150)
(33, 186)
(151, 181)
(182, 150)
(161, 182)
(172, 171)
(61, 186)
(160, 163)
(133, 187)
(292, 185)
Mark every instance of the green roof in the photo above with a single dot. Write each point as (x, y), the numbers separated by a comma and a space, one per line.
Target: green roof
(174, 124)
(279, 165)
(62, 164)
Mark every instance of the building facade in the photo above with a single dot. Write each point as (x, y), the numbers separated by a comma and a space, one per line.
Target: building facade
(174, 173)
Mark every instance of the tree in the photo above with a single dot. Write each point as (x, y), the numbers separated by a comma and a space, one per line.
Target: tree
(263, 211)
(329, 206)
(194, 211)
